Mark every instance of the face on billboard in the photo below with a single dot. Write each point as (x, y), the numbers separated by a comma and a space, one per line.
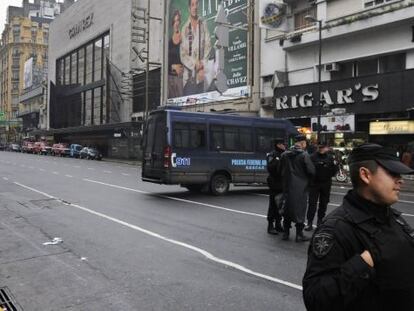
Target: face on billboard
(192, 62)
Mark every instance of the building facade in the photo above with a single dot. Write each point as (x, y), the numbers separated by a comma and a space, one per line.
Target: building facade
(366, 70)
(98, 53)
(23, 66)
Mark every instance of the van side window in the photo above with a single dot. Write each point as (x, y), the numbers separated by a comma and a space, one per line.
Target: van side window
(231, 138)
(264, 138)
(189, 135)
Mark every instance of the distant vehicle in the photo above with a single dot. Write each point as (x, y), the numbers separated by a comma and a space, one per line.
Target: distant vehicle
(60, 149)
(41, 147)
(207, 151)
(27, 147)
(90, 154)
(14, 148)
(75, 150)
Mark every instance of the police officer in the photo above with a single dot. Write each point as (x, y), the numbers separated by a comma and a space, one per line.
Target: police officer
(320, 185)
(361, 256)
(274, 181)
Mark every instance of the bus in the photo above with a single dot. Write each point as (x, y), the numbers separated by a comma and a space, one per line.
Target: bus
(208, 151)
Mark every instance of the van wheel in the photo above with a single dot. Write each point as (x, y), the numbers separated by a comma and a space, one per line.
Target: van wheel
(219, 184)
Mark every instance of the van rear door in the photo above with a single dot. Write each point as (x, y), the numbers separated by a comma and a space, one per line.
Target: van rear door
(155, 142)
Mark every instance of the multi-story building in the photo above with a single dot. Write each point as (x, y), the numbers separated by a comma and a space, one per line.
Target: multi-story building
(364, 76)
(25, 37)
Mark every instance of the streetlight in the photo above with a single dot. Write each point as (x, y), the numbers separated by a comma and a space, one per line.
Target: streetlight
(312, 19)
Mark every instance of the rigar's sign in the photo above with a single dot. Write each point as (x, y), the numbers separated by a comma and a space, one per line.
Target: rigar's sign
(81, 26)
(330, 97)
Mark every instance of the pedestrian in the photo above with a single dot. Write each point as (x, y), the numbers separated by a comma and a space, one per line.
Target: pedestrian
(361, 256)
(274, 181)
(320, 185)
(297, 170)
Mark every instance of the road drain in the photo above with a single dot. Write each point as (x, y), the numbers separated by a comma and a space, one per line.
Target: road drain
(7, 302)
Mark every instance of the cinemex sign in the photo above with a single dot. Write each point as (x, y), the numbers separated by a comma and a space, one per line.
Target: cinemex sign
(81, 26)
(368, 93)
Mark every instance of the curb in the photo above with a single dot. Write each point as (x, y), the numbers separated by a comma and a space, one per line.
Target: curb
(122, 161)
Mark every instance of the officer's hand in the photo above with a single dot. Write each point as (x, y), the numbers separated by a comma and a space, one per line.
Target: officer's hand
(367, 258)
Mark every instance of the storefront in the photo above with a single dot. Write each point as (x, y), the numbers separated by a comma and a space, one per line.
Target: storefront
(353, 110)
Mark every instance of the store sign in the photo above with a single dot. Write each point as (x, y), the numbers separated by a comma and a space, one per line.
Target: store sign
(340, 97)
(391, 127)
(81, 26)
(338, 123)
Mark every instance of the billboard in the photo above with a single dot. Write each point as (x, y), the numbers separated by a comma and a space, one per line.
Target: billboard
(28, 73)
(192, 62)
(273, 15)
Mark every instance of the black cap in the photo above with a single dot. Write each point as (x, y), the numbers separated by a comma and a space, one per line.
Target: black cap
(322, 145)
(278, 140)
(299, 138)
(383, 156)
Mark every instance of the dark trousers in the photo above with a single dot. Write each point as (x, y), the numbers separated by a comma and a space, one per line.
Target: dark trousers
(287, 224)
(273, 210)
(322, 192)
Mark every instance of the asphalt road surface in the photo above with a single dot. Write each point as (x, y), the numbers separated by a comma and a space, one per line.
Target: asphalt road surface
(127, 245)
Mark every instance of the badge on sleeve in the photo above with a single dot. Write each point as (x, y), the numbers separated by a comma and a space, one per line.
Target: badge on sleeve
(322, 243)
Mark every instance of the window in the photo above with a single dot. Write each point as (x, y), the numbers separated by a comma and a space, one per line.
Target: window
(189, 135)
(300, 21)
(391, 63)
(372, 3)
(264, 137)
(97, 106)
(67, 70)
(88, 108)
(81, 66)
(73, 68)
(89, 63)
(346, 70)
(98, 60)
(231, 138)
(367, 67)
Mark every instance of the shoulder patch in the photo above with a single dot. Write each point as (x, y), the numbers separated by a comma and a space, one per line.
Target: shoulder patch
(321, 244)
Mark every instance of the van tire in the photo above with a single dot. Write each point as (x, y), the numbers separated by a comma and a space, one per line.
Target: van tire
(219, 184)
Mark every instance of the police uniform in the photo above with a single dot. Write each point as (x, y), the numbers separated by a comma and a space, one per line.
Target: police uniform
(320, 186)
(337, 278)
(274, 181)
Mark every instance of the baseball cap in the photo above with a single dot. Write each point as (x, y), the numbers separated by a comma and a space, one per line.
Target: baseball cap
(299, 138)
(385, 157)
(278, 140)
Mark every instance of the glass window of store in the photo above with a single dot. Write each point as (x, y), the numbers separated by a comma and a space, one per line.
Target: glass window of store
(83, 66)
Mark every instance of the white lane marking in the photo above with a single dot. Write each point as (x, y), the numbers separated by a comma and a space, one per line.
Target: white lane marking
(41, 169)
(196, 249)
(22, 165)
(70, 176)
(55, 173)
(334, 204)
(125, 174)
(5, 178)
(107, 172)
(176, 199)
(90, 168)
(405, 201)
(408, 215)
(76, 166)
(31, 167)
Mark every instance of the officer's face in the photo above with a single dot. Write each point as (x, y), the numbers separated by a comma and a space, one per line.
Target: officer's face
(383, 187)
(193, 8)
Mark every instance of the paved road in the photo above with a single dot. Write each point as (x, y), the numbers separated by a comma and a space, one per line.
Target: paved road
(129, 245)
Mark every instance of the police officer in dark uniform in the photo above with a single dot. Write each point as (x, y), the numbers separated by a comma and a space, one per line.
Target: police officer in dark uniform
(361, 257)
(320, 185)
(274, 181)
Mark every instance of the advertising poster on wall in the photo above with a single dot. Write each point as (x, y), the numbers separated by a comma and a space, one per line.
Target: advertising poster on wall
(28, 73)
(192, 63)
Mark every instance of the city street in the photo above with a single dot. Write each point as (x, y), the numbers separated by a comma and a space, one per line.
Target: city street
(129, 245)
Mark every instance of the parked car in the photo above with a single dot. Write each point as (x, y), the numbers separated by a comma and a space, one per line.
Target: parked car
(90, 154)
(60, 149)
(27, 147)
(3, 146)
(43, 148)
(15, 148)
(75, 149)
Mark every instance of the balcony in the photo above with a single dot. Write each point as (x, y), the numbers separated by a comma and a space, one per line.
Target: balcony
(377, 17)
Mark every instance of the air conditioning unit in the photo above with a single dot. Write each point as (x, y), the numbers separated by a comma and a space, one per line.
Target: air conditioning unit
(331, 67)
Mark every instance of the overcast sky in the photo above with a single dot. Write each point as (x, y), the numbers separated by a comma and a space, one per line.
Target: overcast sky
(3, 10)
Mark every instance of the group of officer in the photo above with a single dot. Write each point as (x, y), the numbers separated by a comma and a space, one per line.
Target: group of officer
(294, 175)
(361, 255)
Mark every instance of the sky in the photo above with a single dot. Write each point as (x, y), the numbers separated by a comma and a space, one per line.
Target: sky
(3, 10)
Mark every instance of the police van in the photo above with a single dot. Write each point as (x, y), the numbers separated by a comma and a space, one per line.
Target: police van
(208, 151)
